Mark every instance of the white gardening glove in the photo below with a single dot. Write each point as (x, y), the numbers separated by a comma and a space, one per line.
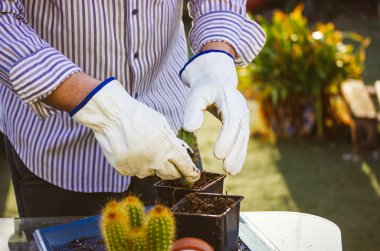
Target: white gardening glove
(212, 78)
(135, 139)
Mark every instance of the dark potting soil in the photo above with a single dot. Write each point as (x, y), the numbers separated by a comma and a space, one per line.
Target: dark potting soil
(94, 243)
(205, 179)
(205, 204)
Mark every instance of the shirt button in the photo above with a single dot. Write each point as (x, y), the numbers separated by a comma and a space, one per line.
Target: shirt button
(136, 55)
(134, 12)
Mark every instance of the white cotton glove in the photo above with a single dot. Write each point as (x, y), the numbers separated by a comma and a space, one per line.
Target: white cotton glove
(212, 78)
(135, 139)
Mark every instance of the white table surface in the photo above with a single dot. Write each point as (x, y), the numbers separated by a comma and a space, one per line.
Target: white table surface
(6, 231)
(292, 231)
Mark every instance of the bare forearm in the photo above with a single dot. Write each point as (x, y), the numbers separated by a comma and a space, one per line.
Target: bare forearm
(71, 92)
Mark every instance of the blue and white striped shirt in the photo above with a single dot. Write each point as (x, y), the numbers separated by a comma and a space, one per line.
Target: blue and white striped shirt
(140, 42)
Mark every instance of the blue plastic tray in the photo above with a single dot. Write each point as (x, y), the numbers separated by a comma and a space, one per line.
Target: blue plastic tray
(53, 238)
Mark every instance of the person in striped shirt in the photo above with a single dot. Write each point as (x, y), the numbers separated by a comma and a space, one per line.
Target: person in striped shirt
(93, 93)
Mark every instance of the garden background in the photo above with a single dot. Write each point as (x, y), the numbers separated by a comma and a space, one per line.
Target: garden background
(315, 175)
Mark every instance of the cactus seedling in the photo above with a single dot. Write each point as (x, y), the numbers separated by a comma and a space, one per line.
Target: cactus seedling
(191, 140)
(160, 228)
(114, 227)
(134, 209)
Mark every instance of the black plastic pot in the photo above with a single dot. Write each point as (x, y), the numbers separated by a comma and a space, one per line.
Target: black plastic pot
(220, 231)
(169, 194)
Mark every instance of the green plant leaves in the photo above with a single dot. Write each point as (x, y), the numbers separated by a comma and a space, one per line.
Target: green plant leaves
(301, 61)
(297, 58)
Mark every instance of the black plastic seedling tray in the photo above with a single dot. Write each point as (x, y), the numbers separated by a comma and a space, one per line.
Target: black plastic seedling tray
(220, 231)
(169, 194)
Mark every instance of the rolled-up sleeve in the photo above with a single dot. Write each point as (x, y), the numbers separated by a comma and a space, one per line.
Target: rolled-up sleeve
(29, 66)
(227, 21)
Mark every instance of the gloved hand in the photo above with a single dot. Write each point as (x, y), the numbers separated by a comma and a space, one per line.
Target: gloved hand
(135, 139)
(212, 78)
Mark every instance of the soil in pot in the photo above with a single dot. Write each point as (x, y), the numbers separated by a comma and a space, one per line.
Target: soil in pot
(171, 191)
(211, 217)
(213, 205)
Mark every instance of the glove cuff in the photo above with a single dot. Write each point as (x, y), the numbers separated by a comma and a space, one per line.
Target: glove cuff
(90, 95)
(210, 63)
(200, 54)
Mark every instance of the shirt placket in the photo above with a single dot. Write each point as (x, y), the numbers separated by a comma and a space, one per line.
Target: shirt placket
(132, 11)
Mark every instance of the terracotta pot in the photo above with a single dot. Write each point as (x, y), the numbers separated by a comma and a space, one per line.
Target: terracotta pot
(193, 244)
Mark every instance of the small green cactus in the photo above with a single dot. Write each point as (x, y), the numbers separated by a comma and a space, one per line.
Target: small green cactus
(191, 140)
(135, 211)
(124, 226)
(160, 228)
(114, 227)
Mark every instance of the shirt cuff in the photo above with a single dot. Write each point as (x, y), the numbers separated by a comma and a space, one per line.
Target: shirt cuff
(36, 76)
(243, 34)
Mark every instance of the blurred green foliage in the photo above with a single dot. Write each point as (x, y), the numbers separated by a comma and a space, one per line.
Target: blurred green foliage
(298, 61)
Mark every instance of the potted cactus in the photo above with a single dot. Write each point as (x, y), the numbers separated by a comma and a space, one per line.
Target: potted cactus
(171, 191)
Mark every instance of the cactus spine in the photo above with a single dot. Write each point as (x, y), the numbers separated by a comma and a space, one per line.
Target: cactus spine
(125, 227)
(160, 228)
